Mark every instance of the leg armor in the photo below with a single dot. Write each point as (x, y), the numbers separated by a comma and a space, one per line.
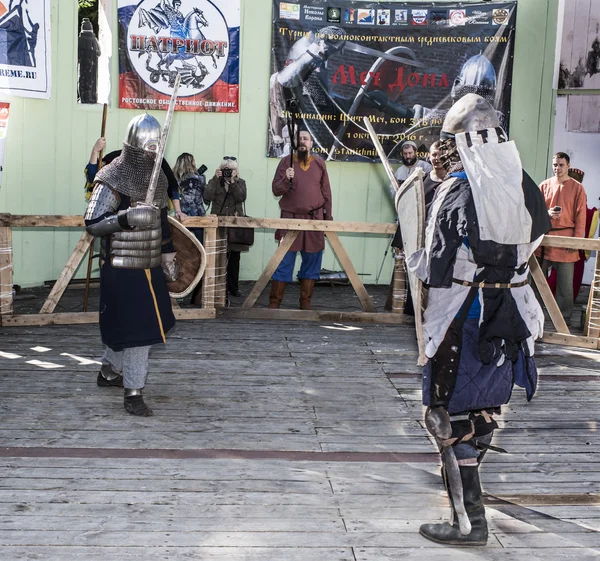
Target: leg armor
(470, 437)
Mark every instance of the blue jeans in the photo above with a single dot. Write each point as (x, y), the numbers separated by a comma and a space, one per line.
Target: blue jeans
(310, 268)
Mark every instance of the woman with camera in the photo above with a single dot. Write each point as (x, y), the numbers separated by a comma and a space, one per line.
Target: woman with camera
(227, 192)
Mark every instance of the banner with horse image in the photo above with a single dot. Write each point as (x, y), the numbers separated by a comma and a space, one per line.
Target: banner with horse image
(402, 65)
(199, 39)
(25, 53)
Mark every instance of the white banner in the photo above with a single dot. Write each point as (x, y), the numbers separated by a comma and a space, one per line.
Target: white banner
(25, 48)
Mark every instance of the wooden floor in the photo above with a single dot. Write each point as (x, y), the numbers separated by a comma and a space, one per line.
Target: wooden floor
(277, 441)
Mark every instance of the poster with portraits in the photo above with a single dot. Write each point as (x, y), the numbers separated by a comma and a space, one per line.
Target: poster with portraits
(25, 54)
(199, 39)
(401, 65)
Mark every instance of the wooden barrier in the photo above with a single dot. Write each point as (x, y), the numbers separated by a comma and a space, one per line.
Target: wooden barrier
(215, 243)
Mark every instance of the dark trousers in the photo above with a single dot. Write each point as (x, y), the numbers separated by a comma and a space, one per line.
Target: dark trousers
(233, 272)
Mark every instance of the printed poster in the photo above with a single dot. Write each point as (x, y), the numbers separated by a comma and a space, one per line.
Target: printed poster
(200, 39)
(25, 53)
(400, 65)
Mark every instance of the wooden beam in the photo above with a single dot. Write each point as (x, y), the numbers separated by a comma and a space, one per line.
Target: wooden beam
(314, 315)
(50, 319)
(365, 300)
(73, 318)
(194, 313)
(77, 221)
(221, 268)
(68, 272)
(542, 285)
(570, 340)
(306, 225)
(41, 221)
(589, 244)
(263, 280)
(592, 324)
(6, 271)
(208, 283)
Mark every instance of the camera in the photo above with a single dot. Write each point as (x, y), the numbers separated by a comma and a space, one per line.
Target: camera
(293, 104)
(227, 172)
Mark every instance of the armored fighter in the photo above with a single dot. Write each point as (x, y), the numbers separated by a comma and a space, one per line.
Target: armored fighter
(135, 308)
(482, 318)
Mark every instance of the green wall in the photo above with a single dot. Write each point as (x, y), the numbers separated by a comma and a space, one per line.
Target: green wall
(49, 143)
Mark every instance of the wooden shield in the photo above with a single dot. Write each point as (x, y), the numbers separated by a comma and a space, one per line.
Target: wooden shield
(191, 258)
(410, 206)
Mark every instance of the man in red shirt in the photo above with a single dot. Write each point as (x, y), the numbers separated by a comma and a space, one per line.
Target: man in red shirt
(303, 185)
(566, 203)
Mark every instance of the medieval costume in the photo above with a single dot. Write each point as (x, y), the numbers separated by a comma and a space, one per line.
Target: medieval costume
(482, 318)
(570, 196)
(308, 197)
(135, 307)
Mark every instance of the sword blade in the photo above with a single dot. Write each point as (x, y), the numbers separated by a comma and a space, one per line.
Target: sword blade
(162, 144)
(380, 54)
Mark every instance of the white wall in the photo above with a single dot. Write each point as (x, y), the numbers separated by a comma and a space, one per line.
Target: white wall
(584, 151)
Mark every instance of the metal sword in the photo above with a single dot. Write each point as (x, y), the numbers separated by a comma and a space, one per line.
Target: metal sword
(162, 144)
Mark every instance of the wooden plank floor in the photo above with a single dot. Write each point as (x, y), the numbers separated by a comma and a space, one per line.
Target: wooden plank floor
(277, 441)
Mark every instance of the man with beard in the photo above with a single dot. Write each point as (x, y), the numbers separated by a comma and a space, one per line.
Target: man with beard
(482, 318)
(410, 163)
(135, 307)
(435, 177)
(303, 185)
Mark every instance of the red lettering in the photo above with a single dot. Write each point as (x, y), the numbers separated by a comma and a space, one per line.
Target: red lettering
(340, 74)
(413, 79)
(138, 42)
(177, 44)
(429, 78)
(152, 44)
(443, 83)
(207, 47)
(399, 83)
(374, 77)
(220, 47)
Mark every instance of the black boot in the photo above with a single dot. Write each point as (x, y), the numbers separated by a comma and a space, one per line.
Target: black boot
(134, 404)
(449, 534)
(107, 377)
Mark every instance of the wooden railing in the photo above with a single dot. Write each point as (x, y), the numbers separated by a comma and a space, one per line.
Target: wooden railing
(214, 297)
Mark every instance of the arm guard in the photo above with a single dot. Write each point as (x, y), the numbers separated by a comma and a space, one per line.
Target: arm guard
(104, 201)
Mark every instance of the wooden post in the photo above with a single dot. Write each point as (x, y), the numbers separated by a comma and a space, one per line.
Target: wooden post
(67, 274)
(6, 271)
(365, 300)
(221, 268)
(542, 285)
(208, 287)
(592, 324)
(263, 280)
(399, 282)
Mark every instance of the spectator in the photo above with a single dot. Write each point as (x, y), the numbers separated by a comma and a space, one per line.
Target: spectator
(191, 190)
(435, 177)
(303, 185)
(227, 192)
(566, 203)
(410, 162)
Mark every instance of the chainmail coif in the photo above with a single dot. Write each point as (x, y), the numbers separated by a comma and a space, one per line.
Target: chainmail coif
(129, 174)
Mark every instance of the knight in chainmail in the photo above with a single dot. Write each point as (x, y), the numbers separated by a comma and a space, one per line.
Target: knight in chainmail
(135, 307)
(481, 318)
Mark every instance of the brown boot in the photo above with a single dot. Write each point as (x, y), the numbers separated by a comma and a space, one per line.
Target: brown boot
(277, 292)
(306, 290)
